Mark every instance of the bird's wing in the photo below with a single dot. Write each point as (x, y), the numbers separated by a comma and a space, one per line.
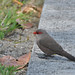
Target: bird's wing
(50, 43)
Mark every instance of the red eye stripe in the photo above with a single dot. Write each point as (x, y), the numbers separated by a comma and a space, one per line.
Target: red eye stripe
(37, 32)
(34, 32)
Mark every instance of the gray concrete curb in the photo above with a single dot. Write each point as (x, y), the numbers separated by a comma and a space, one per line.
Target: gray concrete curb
(58, 18)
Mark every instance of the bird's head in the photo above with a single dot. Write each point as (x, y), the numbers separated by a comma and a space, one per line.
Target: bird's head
(39, 31)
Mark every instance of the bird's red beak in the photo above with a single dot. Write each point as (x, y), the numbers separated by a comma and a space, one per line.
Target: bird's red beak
(34, 32)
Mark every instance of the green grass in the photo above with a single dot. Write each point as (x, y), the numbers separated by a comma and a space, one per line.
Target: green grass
(8, 17)
(10, 70)
(8, 23)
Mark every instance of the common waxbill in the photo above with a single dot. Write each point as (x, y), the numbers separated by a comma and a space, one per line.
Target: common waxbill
(49, 46)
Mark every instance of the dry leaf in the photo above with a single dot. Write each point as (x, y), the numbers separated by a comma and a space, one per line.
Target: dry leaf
(27, 9)
(18, 2)
(8, 60)
(23, 60)
(24, 25)
(27, 25)
(11, 61)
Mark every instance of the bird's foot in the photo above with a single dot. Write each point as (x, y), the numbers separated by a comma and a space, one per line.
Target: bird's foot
(45, 56)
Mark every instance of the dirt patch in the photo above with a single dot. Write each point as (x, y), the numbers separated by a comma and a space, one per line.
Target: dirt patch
(18, 44)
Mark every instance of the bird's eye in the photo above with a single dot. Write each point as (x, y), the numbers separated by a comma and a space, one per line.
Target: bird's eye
(39, 32)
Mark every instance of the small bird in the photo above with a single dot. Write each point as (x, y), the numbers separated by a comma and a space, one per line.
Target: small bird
(49, 46)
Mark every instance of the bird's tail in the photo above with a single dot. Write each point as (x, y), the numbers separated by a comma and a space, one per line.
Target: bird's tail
(69, 56)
